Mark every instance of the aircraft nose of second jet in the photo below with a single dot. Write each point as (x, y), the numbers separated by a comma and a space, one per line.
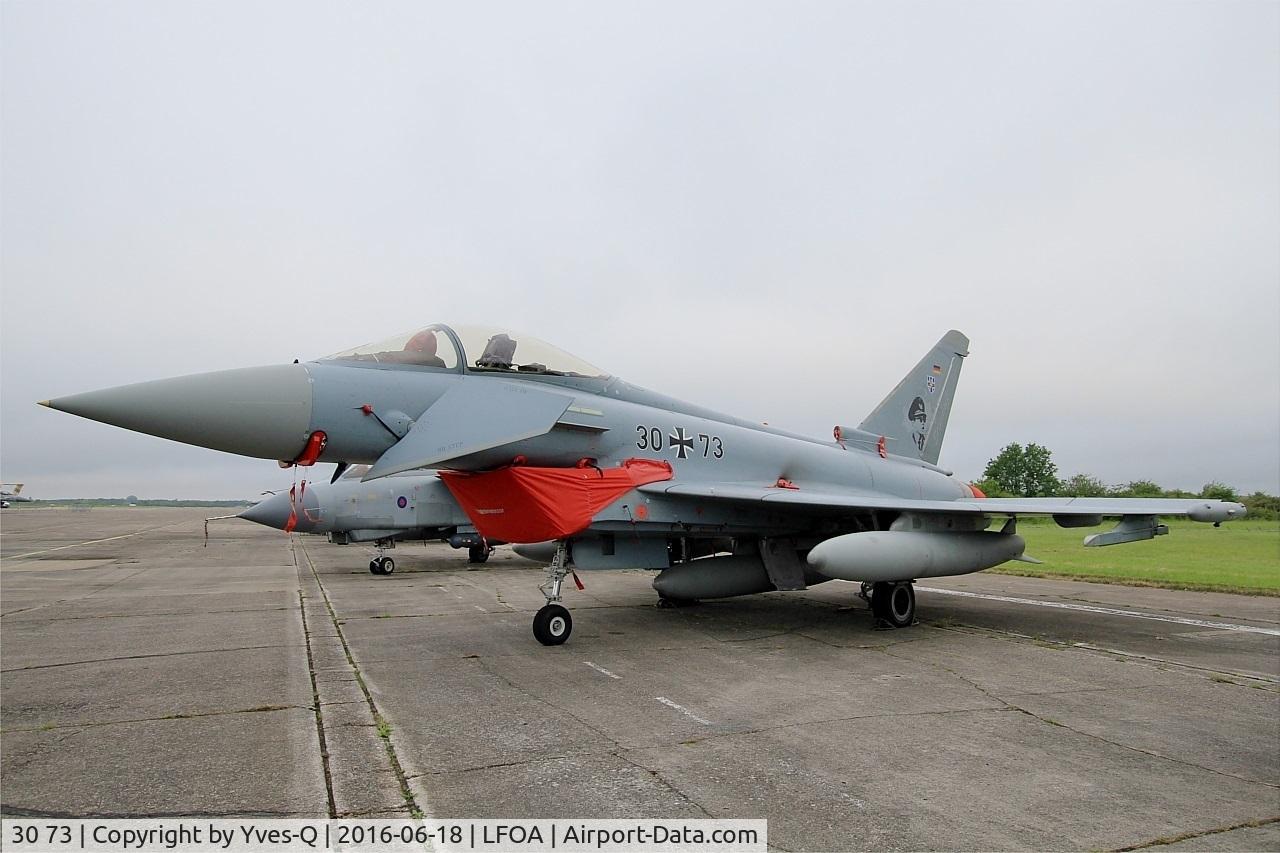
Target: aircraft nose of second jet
(272, 511)
(254, 411)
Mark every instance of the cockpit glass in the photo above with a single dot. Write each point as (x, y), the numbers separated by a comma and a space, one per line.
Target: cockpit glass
(427, 347)
(485, 349)
(491, 349)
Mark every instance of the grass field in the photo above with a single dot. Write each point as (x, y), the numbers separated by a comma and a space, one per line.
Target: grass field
(1239, 556)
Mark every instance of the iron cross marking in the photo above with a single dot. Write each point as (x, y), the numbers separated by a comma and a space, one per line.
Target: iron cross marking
(682, 442)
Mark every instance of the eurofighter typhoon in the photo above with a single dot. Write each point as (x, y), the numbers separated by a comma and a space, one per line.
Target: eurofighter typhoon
(536, 445)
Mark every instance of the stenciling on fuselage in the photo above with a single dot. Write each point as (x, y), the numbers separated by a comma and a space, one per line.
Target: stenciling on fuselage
(684, 444)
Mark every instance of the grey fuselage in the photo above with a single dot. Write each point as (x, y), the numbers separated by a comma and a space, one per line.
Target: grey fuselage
(402, 506)
(611, 421)
(604, 423)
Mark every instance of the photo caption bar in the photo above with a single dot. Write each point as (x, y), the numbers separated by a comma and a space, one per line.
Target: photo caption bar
(197, 835)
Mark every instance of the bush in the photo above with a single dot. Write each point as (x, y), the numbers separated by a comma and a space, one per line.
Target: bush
(1262, 506)
(1020, 472)
(1218, 492)
(1138, 489)
(1083, 486)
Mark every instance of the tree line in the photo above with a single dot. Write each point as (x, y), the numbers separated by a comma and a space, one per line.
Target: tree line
(1029, 471)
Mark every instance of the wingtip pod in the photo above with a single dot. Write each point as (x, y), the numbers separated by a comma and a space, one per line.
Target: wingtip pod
(1218, 511)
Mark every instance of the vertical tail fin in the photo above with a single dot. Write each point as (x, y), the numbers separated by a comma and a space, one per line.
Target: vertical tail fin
(913, 418)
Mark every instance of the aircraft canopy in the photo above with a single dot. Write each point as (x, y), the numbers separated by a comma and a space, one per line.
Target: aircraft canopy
(481, 349)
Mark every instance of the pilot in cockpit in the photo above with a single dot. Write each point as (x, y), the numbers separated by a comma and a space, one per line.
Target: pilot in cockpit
(420, 349)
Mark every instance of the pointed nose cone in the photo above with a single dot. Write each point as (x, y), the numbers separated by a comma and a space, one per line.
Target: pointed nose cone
(255, 411)
(272, 511)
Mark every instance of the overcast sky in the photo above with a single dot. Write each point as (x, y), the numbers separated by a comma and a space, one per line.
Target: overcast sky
(770, 209)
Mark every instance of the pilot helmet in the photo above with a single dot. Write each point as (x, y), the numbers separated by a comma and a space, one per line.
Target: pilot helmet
(423, 342)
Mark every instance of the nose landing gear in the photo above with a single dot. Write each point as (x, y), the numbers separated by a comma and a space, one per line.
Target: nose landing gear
(382, 564)
(552, 625)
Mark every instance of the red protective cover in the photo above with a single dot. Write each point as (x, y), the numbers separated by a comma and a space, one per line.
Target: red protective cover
(520, 504)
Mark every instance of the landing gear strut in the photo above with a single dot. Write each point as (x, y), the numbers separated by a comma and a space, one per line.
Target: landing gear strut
(553, 624)
(894, 604)
(382, 564)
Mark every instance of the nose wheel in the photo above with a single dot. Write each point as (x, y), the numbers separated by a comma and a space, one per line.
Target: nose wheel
(552, 625)
(382, 564)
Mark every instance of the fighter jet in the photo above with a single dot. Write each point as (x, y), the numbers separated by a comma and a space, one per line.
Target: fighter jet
(7, 497)
(403, 507)
(537, 445)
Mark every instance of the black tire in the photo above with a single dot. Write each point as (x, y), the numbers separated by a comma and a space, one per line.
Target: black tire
(894, 603)
(388, 565)
(374, 568)
(478, 553)
(552, 625)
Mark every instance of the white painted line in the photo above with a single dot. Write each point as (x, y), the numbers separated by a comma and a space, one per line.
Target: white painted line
(94, 541)
(1266, 679)
(601, 669)
(478, 607)
(683, 710)
(1109, 611)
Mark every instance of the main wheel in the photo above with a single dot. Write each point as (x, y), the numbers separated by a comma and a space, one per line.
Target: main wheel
(894, 603)
(374, 568)
(388, 565)
(552, 625)
(478, 553)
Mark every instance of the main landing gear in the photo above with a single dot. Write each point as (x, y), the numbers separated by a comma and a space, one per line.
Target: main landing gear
(479, 553)
(893, 604)
(553, 624)
(382, 564)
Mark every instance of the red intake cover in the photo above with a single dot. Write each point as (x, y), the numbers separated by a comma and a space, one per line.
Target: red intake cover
(523, 504)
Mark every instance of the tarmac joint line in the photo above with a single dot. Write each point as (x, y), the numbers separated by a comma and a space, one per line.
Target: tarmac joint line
(48, 727)
(142, 657)
(1186, 836)
(382, 726)
(1012, 706)
(315, 699)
